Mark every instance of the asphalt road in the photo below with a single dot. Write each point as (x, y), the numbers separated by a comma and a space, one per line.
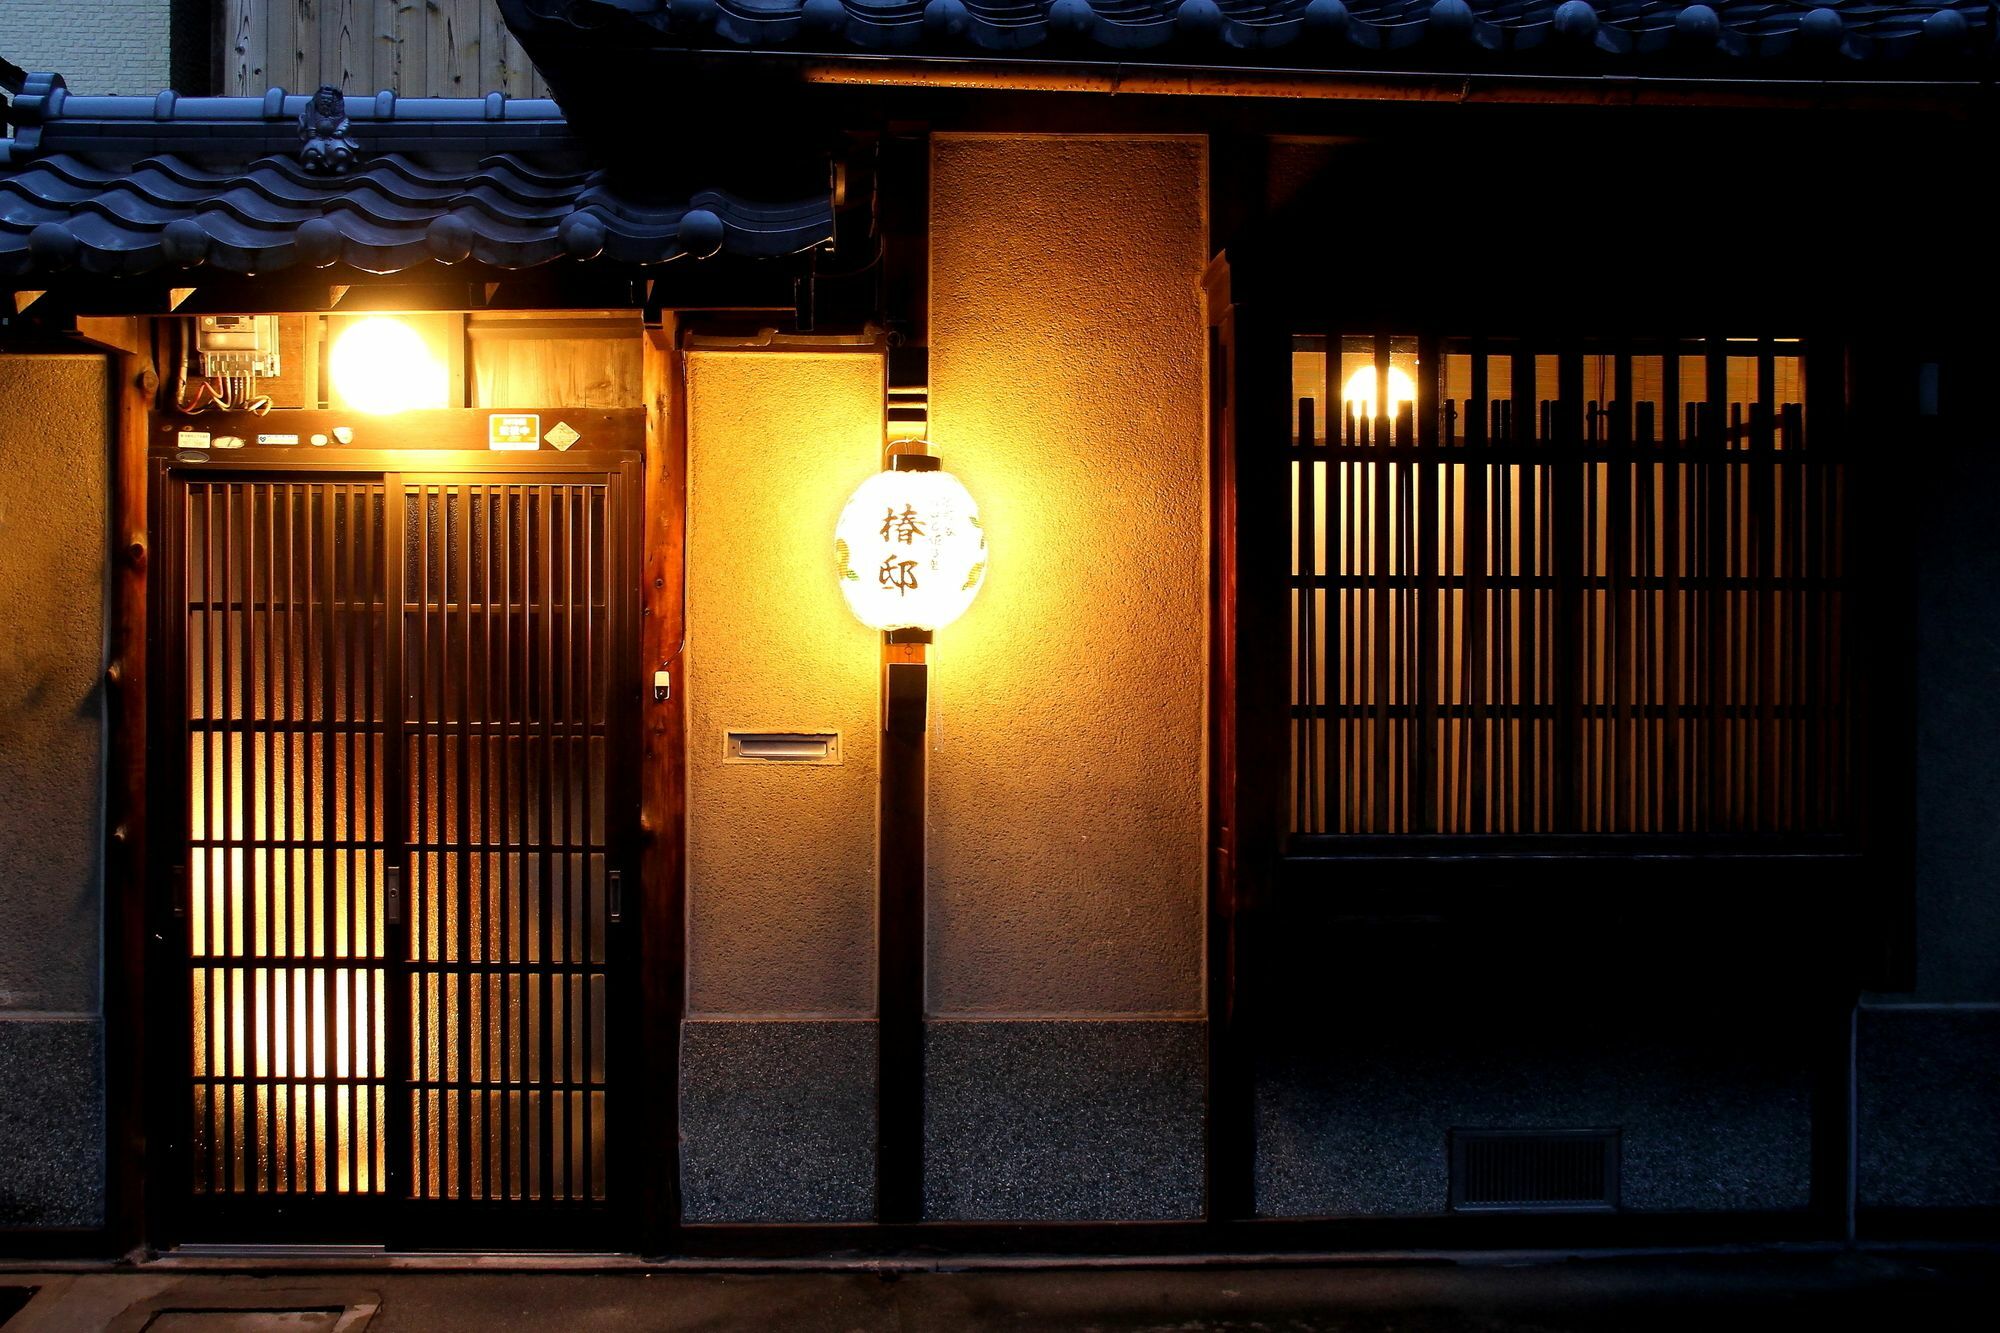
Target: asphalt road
(1915, 1291)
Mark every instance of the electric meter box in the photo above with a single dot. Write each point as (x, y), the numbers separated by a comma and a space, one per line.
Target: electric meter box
(237, 345)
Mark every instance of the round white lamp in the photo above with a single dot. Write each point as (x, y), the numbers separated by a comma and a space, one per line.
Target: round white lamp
(909, 546)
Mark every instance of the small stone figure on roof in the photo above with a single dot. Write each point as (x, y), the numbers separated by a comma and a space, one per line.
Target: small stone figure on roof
(323, 126)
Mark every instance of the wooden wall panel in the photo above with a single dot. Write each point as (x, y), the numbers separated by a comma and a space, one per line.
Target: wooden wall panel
(286, 64)
(590, 371)
(246, 62)
(343, 51)
(407, 63)
(454, 45)
(417, 48)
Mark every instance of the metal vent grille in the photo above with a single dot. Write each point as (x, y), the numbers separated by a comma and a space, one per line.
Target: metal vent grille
(1534, 1170)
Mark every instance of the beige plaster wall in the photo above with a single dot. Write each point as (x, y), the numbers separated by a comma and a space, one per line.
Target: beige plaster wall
(781, 858)
(1067, 375)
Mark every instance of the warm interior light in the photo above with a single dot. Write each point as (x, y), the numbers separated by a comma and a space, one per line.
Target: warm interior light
(911, 550)
(1360, 391)
(381, 365)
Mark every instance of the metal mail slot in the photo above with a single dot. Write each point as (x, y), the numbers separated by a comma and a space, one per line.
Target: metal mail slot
(781, 747)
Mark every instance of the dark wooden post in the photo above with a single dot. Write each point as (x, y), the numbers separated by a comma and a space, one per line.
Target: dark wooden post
(900, 933)
(134, 382)
(662, 824)
(1249, 395)
(899, 946)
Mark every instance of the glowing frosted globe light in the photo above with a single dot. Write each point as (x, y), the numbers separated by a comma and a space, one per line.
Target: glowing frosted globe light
(910, 550)
(381, 365)
(1360, 391)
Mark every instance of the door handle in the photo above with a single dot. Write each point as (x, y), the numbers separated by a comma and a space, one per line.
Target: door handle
(392, 895)
(614, 893)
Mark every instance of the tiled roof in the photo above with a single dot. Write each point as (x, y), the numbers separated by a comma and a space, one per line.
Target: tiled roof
(126, 185)
(1803, 38)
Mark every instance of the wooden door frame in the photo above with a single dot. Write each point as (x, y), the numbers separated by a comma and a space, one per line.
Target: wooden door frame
(662, 843)
(151, 1210)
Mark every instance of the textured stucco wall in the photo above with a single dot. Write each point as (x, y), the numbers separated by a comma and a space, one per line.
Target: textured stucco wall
(781, 858)
(1067, 353)
(53, 431)
(53, 427)
(1958, 715)
(1929, 1076)
(98, 46)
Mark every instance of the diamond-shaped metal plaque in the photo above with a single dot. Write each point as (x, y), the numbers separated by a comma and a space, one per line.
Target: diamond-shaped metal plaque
(562, 435)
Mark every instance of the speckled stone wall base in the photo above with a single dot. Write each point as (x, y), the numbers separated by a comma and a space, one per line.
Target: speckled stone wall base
(777, 1120)
(51, 1123)
(1063, 1120)
(1929, 1113)
(1356, 1122)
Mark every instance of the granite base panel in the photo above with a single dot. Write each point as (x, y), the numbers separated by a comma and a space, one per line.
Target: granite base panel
(1064, 1120)
(51, 1122)
(1928, 1112)
(1358, 1125)
(777, 1120)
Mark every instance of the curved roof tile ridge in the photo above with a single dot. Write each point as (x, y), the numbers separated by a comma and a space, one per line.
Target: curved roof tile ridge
(1307, 33)
(119, 186)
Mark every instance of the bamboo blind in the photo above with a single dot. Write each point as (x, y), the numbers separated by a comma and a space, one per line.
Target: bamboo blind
(415, 48)
(1565, 589)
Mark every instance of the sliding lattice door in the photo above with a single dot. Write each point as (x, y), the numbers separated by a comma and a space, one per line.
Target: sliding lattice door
(505, 645)
(285, 649)
(406, 703)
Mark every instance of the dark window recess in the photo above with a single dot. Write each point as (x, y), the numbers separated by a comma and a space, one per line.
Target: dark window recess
(1534, 1169)
(1567, 588)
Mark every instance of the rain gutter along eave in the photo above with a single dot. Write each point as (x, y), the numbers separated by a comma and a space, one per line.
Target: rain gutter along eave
(1119, 78)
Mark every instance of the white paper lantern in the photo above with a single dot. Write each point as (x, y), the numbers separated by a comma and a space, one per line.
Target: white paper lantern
(910, 548)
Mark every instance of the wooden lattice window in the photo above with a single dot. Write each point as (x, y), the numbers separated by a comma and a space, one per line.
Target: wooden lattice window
(1544, 588)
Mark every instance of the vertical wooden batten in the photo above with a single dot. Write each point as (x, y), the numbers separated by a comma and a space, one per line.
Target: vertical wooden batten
(661, 887)
(134, 381)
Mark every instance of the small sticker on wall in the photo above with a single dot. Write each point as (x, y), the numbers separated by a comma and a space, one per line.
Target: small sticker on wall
(562, 435)
(191, 439)
(513, 430)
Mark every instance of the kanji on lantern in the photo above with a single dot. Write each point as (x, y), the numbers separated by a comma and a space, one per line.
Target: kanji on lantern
(911, 550)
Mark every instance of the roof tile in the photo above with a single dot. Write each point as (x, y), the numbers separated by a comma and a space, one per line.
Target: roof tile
(95, 183)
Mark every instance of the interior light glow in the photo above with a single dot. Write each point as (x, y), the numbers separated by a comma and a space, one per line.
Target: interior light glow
(381, 365)
(1360, 391)
(910, 550)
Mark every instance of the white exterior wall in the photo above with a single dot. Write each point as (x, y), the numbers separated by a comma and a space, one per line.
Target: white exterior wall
(98, 46)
